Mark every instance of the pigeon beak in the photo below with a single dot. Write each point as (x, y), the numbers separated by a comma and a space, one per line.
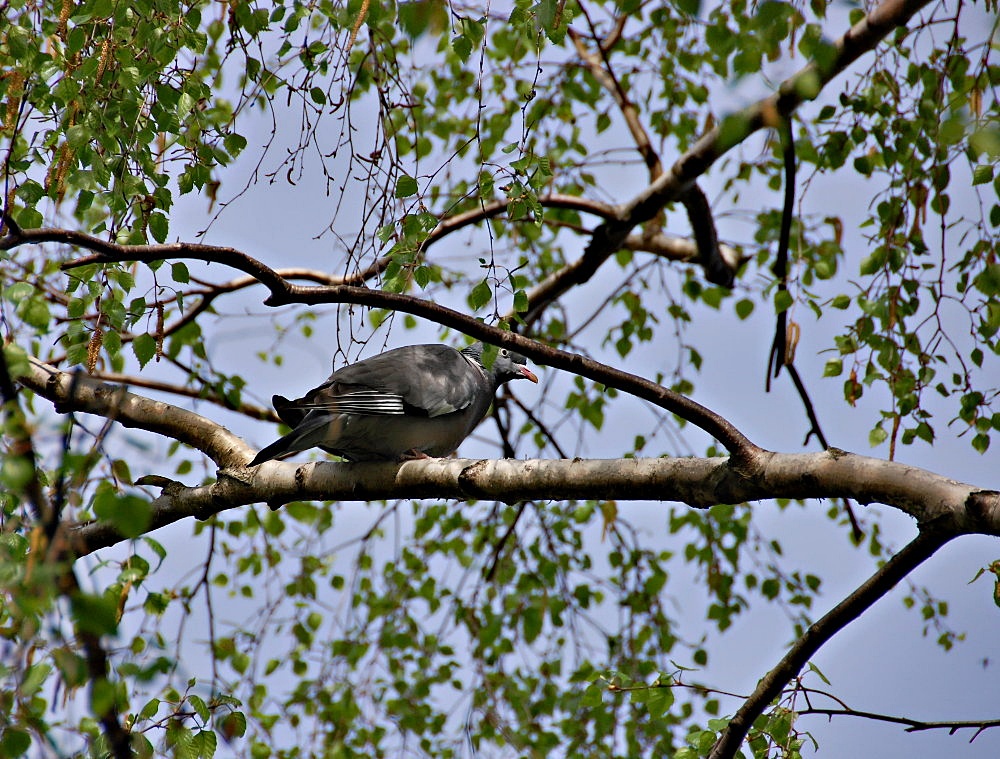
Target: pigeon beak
(528, 374)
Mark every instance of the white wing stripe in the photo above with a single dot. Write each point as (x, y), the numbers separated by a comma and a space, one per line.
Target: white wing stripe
(362, 402)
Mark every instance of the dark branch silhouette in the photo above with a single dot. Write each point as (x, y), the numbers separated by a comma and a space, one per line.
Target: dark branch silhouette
(717, 269)
(912, 725)
(283, 292)
(782, 346)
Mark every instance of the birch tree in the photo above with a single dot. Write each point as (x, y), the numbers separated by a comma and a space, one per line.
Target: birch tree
(588, 183)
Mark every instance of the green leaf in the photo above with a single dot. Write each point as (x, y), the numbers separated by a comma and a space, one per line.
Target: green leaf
(198, 704)
(481, 295)
(873, 262)
(156, 548)
(17, 360)
(14, 742)
(981, 442)
(593, 695)
(406, 186)
(690, 7)
(158, 226)
(35, 678)
(531, 620)
(877, 436)
(35, 312)
(129, 514)
(150, 709)
(520, 301)
(233, 725)
(234, 143)
(18, 291)
(982, 173)
(813, 668)
(462, 46)
(179, 272)
(95, 614)
(144, 348)
(782, 301)
(744, 307)
(659, 702)
(156, 603)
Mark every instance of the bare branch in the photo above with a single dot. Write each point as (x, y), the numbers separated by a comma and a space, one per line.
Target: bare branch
(450, 224)
(695, 203)
(600, 67)
(912, 725)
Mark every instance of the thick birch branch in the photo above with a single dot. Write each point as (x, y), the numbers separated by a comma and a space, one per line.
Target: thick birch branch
(950, 507)
(932, 500)
(130, 410)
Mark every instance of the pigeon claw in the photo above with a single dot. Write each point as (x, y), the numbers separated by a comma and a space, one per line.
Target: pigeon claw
(413, 455)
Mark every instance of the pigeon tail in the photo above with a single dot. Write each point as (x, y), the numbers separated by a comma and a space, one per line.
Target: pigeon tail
(307, 435)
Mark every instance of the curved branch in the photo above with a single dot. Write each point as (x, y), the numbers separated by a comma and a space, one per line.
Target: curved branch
(111, 251)
(584, 268)
(853, 606)
(451, 224)
(699, 212)
(290, 273)
(676, 248)
(715, 425)
(282, 293)
(83, 393)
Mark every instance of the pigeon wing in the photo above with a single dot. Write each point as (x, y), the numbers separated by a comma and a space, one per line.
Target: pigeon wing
(418, 380)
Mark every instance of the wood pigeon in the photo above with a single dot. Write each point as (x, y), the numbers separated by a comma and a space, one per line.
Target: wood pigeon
(412, 402)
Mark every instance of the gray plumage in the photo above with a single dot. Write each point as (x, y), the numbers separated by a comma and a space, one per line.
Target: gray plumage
(422, 400)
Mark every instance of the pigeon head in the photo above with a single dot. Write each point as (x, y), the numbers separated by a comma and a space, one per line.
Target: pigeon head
(507, 364)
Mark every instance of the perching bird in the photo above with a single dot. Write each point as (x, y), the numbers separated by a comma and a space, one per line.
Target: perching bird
(413, 402)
